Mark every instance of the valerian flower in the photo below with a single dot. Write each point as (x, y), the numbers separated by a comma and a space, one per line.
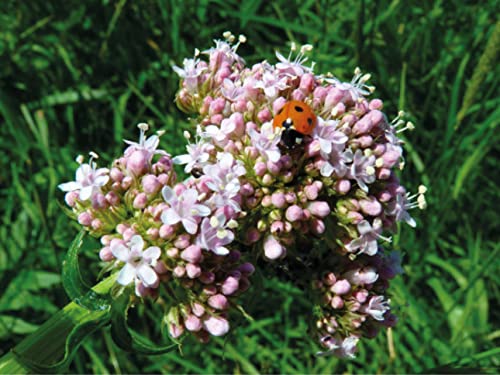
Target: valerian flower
(138, 263)
(89, 180)
(184, 208)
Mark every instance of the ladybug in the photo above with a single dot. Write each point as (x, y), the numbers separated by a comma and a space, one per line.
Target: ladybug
(297, 119)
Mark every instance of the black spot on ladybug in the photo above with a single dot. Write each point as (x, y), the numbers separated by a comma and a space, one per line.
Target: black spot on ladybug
(310, 121)
(298, 108)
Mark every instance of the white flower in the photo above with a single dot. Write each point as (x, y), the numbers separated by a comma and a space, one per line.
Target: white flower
(376, 307)
(357, 88)
(149, 145)
(138, 264)
(89, 180)
(183, 208)
(266, 142)
(197, 156)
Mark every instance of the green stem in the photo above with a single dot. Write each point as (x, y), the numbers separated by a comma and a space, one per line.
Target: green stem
(58, 338)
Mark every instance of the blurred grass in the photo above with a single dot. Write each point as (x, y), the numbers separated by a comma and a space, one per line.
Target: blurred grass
(77, 76)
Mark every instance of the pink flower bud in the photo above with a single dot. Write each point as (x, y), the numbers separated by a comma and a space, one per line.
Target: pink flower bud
(311, 192)
(298, 95)
(278, 199)
(290, 197)
(361, 295)
(217, 106)
(354, 217)
(339, 109)
(179, 271)
(99, 201)
(96, 224)
(71, 198)
(267, 180)
(320, 209)
(337, 302)
(128, 234)
(294, 213)
(137, 162)
(274, 168)
(192, 254)
(277, 227)
(307, 83)
(333, 97)
(127, 182)
(197, 309)
(264, 115)
(370, 206)
(85, 218)
(182, 241)
(376, 104)
(266, 201)
(278, 104)
(365, 141)
(175, 330)
(160, 268)
(246, 189)
(317, 226)
(116, 175)
(383, 173)
(150, 184)
(192, 323)
(193, 270)
(166, 231)
(260, 168)
(218, 302)
(105, 254)
(216, 326)
(162, 179)
(112, 198)
(140, 201)
(341, 287)
(272, 248)
(153, 233)
(230, 286)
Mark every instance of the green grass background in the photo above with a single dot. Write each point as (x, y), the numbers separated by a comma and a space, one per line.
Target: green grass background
(77, 76)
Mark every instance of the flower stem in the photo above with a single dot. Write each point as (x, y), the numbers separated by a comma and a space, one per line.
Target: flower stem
(52, 346)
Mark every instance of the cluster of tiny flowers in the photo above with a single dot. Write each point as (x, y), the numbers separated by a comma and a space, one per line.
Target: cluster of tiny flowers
(164, 237)
(334, 196)
(321, 210)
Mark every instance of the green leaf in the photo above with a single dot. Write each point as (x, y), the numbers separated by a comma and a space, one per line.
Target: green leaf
(73, 283)
(127, 339)
(71, 277)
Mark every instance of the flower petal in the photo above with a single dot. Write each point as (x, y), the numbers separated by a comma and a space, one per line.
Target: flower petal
(170, 217)
(70, 186)
(151, 253)
(168, 194)
(136, 243)
(126, 275)
(190, 225)
(147, 275)
(121, 252)
(86, 192)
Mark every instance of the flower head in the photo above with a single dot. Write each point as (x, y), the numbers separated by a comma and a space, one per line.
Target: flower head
(138, 263)
(183, 208)
(89, 180)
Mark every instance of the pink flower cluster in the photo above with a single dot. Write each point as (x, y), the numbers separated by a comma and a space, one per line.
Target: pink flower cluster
(322, 208)
(332, 197)
(162, 236)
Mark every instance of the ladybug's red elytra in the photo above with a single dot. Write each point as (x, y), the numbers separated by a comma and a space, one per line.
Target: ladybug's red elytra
(297, 119)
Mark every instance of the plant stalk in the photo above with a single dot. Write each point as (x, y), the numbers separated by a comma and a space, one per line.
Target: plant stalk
(49, 345)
